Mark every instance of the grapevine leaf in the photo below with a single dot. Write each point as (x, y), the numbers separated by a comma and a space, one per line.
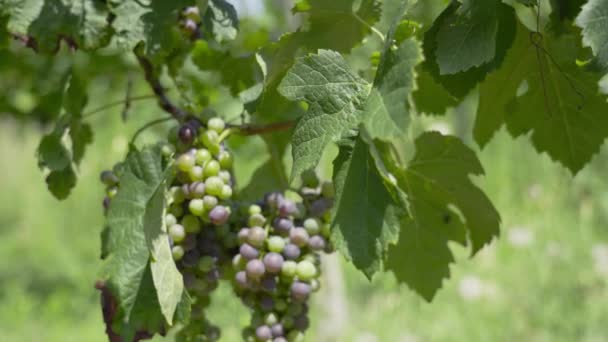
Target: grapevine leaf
(431, 97)
(52, 153)
(566, 9)
(81, 23)
(467, 37)
(333, 93)
(547, 94)
(460, 84)
(221, 19)
(366, 218)
(60, 182)
(444, 205)
(594, 20)
(528, 2)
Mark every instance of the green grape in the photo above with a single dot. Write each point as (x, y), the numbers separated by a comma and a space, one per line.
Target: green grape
(197, 207)
(216, 124)
(191, 224)
(306, 270)
(226, 192)
(167, 150)
(111, 192)
(177, 252)
(225, 159)
(185, 162)
(325, 230)
(210, 139)
(238, 262)
(256, 220)
(271, 318)
(327, 190)
(196, 174)
(209, 202)
(170, 220)
(289, 268)
(276, 244)
(214, 185)
(225, 176)
(212, 168)
(312, 226)
(206, 264)
(254, 209)
(176, 210)
(280, 305)
(202, 156)
(177, 233)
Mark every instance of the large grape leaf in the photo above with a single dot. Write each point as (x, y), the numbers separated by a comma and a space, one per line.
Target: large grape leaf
(444, 206)
(467, 37)
(81, 23)
(593, 19)
(366, 217)
(139, 268)
(545, 93)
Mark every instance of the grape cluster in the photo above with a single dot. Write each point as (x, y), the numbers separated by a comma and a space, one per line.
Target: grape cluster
(278, 265)
(190, 21)
(269, 250)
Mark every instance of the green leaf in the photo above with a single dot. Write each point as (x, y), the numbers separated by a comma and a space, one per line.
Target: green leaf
(460, 84)
(594, 20)
(61, 182)
(467, 37)
(82, 23)
(52, 153)
(221, 19)
(566, 10)
(366, 218)
(444, 206)
(547, 94)
(431, 97)
(334, 95)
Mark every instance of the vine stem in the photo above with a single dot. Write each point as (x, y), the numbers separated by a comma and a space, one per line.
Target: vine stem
(148, 125)
(373, 29)
(247, 130)
(118, 103)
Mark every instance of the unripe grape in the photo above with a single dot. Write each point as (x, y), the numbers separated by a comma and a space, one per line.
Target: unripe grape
(216, 124)
(306, 270)
(298, 236)
(226, 192)
(254, 209)
(289, 268)
(287, 208)
(191, 224)
(108, 178)
(186, 132)
(178, 252)
(327, 190)
(196, 189)
(191, 258)
(177, 233)
(277, 330)
(274, 262)
(275, 244)
(212, 168)
(106, 202)
(279, 339)
(185, 162)
(214, 185)
(310, 179)
(287, 322)
(167, 150)
(202, 156)
(257, 220)
(269, 284)
(176, 210)
(189, 242)
(190, 25)
(320, 207)
(248, 252)
(219, 215)
(243, 235)
(111, 192)
(317, 243)
(255, 269)
(256, 236)
(241, 279)
(196, 173)
(210, 139)
(273, 200)
(170, 220)
(196, 207)
(291, 251)
(225, 176)
(263, 333)
(182, 177)
(315, 285)
(282, 225)
(280, 305)
(192, 12)
(225, 160)
(266, 303)
(312, 226)
(326, 230)
(300, 291)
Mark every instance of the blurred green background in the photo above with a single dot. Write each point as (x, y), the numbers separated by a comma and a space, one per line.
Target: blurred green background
(545, 279)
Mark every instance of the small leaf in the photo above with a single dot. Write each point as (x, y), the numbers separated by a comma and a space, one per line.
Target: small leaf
(52, 153)
(61, 182)
(221, 19)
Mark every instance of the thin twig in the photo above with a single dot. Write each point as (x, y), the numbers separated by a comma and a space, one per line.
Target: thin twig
(148, 125)
(373, 29)
(247, 130)
(118, 103)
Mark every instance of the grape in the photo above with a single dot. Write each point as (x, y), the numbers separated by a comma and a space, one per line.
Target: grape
(257, 220)
(298, 236)
(306, 270)
(266, 303)
(177, 252)
(226, 192)
(197, 189)
(291, 251)
(106, 203)
(187, 133)
(319, 207)
(317, 243)
(263, 333)
(256, 236)
(189, 279)
(275, 244)
(111, 192)
(189, 242)
(219, 215)
(176, 210)
(192, 12)
(327, 190)
(269, 284)
(202, 156)
(248, 252)
(241, 279)
(243, 235)
(170, 220)
(289, 268)
(225, 176)
(300, 291)
(274, 262)
(214, 185)
(282, 225)
(206, 264)
(273, 200)
(167, 150)
(279, 339)
(212, 168)
(185, 162)
(301, 322)
(196, 207)
(287, 208)
(191, 224)
(326, 230)
(280, 305)
(196, 173)
(255, 269)
(309, 179)
(315, 285)
(254, 209)
(177, 233)
(191, 258)
(277, 330)
(216, 124)
(213, 276)
(225, 159)
(238, 262)
(271, 319)
(210, 139)
(190, 25)
(312, 226)
(108, 178)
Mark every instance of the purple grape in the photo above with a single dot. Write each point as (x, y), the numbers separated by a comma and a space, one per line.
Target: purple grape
(255, 269)
(186, 133)
(299, 236)
(186, 191)
(273, 262)
(190, 25)
(273, 200)
(277, 330)
(320, 206)
(248, 252)
(106, 202)
(269, 284)
(191, 258)
(317, 243)
(300, 291)
(108, 177)
(263, 333)
(279, 339)
(266, 303)
(196, 190)
(241, 279)
(243, 235)
(256, 236)
(219, 215)
(291, 251)
(282, 225)
(189, 242)
(194, 123)
(301, 322)
(287, 208)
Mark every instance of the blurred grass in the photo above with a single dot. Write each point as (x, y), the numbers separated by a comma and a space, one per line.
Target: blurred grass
(546, 279)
